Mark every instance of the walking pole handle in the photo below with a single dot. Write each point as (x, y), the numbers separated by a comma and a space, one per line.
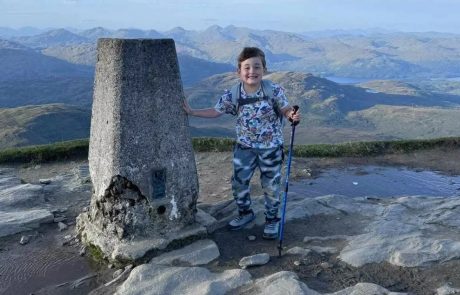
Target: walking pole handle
(296, 108)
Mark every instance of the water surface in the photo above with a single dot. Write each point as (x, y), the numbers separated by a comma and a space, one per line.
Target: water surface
(379, 181)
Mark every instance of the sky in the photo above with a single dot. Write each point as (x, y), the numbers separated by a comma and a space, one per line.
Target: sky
(282, 15)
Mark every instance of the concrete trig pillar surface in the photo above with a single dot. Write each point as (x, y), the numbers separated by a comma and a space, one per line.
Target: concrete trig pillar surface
(141, 158)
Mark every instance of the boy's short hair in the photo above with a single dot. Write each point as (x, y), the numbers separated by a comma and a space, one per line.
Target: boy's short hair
(249, 52)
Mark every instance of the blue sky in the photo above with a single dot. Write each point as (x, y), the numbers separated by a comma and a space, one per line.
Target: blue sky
(283, 15)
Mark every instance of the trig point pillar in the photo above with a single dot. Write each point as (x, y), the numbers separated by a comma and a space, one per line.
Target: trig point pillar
(142, 165)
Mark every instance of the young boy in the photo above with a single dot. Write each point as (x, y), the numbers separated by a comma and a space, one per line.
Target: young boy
(259, 137)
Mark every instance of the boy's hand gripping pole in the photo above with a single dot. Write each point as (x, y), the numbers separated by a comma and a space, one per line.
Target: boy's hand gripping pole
(283, 213)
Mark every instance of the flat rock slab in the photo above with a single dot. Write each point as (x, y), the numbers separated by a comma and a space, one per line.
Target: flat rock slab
(284, 282)
(405, 231)
(19, 221)
(132, 250)
(365, 289)
(152, 279)
(22, 206)
(410, 231)
(20, 196)
(254, 260)
(198, 253)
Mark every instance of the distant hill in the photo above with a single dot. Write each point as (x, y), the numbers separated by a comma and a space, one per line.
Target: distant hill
(29, 77)
(194, 69)
(43, 124)
(392, 87)
(22, 63)
(51, 38)
(409, 122)
(81, 54)
(75, 91)
(323, 99)
(57, 66)
(376, 54)
(331, 113)
(440, 86)
(336, 113)
(96, 33)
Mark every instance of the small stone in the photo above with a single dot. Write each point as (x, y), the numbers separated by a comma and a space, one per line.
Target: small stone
(110, 266)
(298, 251)
(62, 226)
(68, 240)
(82, 251)
(24, 240)
(258, 259)
(325, 265)
(44, 181)
(251, 238)
(322, 250)
(297, 263)
(117, 273)
(129, 266)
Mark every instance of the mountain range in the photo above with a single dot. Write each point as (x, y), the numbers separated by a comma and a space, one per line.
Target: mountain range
(45, 74)
(376, 55)
(331, 112)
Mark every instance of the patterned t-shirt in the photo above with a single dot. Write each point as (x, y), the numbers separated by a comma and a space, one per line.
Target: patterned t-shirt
(257, 124)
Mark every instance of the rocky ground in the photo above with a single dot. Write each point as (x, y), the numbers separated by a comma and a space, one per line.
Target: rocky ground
(333, 244)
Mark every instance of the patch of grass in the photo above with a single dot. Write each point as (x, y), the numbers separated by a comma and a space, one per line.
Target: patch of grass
(79, 149)
(96, 253)
(212, 144)
(373, 148)
(46, 153)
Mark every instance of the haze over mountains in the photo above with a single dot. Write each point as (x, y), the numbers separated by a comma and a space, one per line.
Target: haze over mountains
(372, 55)
(57, 66)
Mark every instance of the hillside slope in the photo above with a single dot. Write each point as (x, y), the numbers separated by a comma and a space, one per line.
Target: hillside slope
(42, 124)
(333, 112)
(378, 55)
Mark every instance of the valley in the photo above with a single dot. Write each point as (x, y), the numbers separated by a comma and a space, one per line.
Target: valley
(381, 86)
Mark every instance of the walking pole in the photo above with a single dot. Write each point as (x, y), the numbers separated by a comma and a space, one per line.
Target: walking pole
(283, 214)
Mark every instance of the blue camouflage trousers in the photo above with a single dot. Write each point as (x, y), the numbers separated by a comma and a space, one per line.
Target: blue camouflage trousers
(269, 162)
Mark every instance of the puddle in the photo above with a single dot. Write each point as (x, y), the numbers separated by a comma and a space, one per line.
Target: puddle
(25, 269)
(377, 181)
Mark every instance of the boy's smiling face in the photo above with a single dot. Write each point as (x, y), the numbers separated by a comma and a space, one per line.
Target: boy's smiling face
(251, 72)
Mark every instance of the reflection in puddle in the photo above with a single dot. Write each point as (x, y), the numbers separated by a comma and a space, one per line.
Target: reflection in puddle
(378, 181)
